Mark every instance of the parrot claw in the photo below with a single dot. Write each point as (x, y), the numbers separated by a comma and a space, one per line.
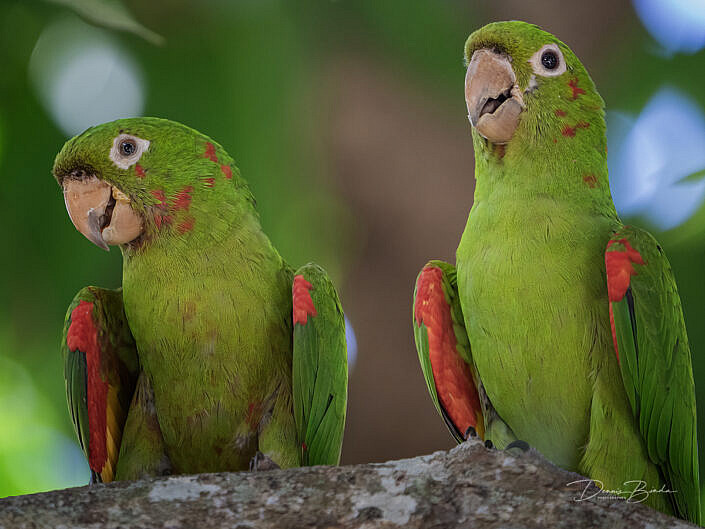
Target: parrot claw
(95, 478)
(470, 432)
(522, 445)
(518, 447)
(262, 463)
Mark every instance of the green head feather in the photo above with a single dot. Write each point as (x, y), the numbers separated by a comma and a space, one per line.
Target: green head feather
(560, 136)
(180, 181)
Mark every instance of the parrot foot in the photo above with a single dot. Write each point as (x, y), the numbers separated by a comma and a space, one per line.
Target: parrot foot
(95, 478)
(262, 463)
(517, 448)
(522, 445)
(470, 432)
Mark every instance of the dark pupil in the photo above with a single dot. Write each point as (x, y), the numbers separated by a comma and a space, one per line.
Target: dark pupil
(549, 60)
(127, 148)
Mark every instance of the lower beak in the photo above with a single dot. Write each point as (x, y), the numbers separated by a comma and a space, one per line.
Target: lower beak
(101, 212)
(493, 98)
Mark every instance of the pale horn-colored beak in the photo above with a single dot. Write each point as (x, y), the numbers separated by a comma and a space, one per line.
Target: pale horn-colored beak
(493, 98)
(102, 213)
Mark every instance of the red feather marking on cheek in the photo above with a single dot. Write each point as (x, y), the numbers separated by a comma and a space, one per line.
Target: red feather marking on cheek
(210, 152)
(163, 220)
(159, 195)
(303, 304)
(186, 225)
(618, 264)
(570, 131)
(614, 333)
(160, 220)
(182, 199)
(590, 180)
(454, 383)
(227, 171)
(573, 84)
(560, 113)
(83, 336)
(139, 171)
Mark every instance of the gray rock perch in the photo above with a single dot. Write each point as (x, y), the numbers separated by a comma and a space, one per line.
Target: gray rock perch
(468, 486)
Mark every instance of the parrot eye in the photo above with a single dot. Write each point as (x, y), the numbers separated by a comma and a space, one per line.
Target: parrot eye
(548, 61)
(128, 147)
(127, 150)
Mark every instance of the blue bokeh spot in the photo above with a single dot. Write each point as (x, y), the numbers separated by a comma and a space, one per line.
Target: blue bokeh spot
(649, 156)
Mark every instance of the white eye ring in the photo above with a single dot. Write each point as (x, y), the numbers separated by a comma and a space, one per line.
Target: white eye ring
(538, 66)
(127, 150)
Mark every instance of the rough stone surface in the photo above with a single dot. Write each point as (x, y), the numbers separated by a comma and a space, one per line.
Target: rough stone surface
(469, 486)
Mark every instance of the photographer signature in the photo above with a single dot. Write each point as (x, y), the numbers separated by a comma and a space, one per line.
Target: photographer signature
(636, 494)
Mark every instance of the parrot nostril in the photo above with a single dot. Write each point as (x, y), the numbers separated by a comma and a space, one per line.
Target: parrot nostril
(80, 173)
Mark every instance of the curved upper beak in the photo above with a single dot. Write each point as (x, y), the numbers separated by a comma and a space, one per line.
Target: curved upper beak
(493, 98)
(101, 212)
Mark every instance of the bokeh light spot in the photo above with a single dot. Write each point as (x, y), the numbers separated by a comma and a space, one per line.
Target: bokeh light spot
(83, 77)
(649, 155)
(351, 341)
(36, 456)
(678, 25)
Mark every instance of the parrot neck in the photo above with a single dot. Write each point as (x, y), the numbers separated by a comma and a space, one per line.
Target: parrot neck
(208, 227)
(573, 173)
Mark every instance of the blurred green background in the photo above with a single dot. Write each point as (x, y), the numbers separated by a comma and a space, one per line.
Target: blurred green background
(348, 120)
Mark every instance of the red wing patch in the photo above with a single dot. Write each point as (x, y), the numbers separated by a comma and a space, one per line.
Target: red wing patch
(227, 171)
(560, 113)
(620, 269)
(303, 304)
(455, 387)
(618, 263)
(209, 181)
(83, 336)
(614, 332)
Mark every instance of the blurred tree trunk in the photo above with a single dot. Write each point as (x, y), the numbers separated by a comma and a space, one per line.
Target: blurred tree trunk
(468, 486)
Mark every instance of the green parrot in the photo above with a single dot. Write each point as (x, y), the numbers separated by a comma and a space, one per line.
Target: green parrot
(560, 327)
(214, 355)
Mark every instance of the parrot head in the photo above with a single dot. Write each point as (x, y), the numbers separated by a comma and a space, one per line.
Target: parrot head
(131, 181)
(524, 86)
